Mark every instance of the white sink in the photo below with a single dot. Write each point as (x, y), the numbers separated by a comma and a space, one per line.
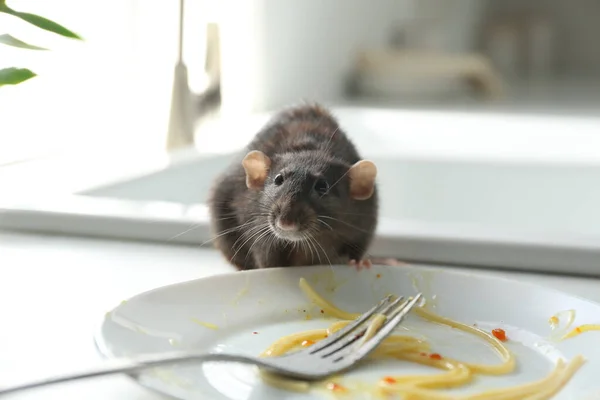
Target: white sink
(483, 190)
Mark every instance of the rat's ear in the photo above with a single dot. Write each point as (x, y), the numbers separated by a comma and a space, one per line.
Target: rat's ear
(362, 180)
(256, 164)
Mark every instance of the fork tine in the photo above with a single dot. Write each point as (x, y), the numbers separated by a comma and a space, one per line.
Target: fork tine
(391, 307)
(348, 328)
(388, 327)
(361, 331)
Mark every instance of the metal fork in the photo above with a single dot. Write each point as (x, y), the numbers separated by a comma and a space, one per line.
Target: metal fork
(337, 353)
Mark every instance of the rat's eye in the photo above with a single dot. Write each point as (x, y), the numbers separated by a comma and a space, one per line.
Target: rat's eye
(278, 180)
(321, 186)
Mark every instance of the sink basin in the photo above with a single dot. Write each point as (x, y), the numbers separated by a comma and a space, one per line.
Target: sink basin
(483, 190)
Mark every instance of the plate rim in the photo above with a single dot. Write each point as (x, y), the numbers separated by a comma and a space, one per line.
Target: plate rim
(445, 269)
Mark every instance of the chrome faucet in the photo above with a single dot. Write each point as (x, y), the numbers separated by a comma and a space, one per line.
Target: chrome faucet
(181, 119)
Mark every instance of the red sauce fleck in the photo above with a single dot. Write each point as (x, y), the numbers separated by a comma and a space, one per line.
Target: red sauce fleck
(335, 387)
(389, 379)
(255, 333)
(435, 356)
(307, 343)
(423, 354)
(499, 334)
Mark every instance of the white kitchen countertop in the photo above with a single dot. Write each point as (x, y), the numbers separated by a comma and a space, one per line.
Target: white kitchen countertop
(54, 291)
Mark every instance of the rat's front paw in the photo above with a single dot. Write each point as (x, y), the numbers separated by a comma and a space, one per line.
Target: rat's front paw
(360, 264)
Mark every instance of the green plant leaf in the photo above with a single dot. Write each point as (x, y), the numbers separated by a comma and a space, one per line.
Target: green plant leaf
(13, 76)
(12, 41)
(40, 22)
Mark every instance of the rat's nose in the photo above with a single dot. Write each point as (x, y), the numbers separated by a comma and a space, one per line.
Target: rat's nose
(286, 225)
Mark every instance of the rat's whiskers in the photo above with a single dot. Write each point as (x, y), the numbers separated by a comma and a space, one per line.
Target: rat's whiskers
(195, 226)
(343, 222)
(257, 230)
(225, 232)
(354, 214)
(325, 223)
(335, 183)
(273, 240)
(308, 245)
(345, 239)
(324, 252)
(312, 241)
(309, 237)
(329, 145)
(258, 238)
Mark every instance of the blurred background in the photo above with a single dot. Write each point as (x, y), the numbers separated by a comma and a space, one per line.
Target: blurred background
(114, 89)
(482, 116)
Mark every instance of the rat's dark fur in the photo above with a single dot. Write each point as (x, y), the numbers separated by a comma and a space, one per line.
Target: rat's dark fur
(304, 144)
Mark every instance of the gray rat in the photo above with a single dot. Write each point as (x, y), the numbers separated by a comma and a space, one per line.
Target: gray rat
(299, 194)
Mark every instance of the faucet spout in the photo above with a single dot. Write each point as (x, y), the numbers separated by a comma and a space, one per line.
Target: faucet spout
(181, 119)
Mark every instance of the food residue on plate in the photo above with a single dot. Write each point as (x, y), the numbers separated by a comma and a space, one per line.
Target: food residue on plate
(389, 380)
(499, 334)
(244, 291)
(109, 313)
(204, 324)
(327, 280)
(335, 387)
(309, 312)
(239, 295)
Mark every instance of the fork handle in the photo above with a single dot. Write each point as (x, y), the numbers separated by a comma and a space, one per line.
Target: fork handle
(134, 364)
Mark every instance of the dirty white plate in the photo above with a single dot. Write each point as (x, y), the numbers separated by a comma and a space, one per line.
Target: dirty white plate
(246, 311)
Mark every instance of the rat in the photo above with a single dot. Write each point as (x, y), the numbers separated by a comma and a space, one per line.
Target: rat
(299, 194)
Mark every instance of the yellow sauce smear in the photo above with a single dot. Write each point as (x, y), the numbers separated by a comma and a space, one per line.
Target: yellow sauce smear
(563, 332)
(204, 324)
(559, 332)
(455, 373)
(582, 328)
